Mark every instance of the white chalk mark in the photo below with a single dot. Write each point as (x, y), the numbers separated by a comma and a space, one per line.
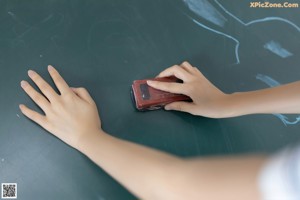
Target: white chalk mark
(32, 27)
(273, 83)
(204, 9)
(196, 6)
(101, 198)
(15, 18)
(285, 119)
(272, 46)
(2, 160)
(47, 18)
(267, 80)
(257, 20)
(41, 56)
(226, 35)
(18, 116)
(277, 49)
(12, 15)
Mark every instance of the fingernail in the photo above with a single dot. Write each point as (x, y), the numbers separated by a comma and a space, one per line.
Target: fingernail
(31, 73)
(24, 83)
(21, 106)
(167, 108)
(50, 67)
(150, 82)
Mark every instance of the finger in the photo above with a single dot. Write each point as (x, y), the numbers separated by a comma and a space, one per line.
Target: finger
(60, 83)
(39, 99)
(197, 71)
(188, 67)
(177, 71)
(84, 94)
(33, 115)
(45, 88)
(181, 106)
(177, 88)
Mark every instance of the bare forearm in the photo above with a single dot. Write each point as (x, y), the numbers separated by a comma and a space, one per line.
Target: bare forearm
(226, 178)
(141, 170)
(151, 174)
(282, 99)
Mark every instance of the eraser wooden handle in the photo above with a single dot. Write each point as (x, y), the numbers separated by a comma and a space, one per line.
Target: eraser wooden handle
(147, 98)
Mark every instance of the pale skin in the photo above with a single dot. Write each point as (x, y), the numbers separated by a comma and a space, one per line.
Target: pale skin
(72, 116)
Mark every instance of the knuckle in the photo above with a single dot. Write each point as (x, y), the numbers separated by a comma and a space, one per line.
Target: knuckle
(82, 89)
(176, 67)
(185, 63)
(67, 96)
(161, 73)
(43, 86)
(36, 97)
(196, 69)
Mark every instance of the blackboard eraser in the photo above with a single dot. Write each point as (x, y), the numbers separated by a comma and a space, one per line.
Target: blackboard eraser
(146, 98)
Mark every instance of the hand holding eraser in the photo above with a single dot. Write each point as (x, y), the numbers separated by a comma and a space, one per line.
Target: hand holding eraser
(149, 98)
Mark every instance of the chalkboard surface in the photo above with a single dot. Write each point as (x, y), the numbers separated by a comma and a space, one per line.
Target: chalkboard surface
(104, 46)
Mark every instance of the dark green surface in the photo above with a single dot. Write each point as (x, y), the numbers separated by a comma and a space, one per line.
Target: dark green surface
(104, 46)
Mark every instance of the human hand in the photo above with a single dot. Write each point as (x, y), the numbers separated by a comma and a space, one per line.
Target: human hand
(208, 100)
(70, 115)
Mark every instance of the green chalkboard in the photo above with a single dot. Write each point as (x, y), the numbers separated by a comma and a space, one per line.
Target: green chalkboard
(104, 45)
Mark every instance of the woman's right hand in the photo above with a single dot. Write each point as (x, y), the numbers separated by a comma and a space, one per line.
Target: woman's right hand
(72, 115)
(208, 100)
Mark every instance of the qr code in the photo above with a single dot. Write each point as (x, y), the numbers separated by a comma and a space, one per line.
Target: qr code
(9, 190)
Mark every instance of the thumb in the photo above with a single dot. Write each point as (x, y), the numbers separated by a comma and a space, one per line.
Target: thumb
(83, 94)
(181, 106)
